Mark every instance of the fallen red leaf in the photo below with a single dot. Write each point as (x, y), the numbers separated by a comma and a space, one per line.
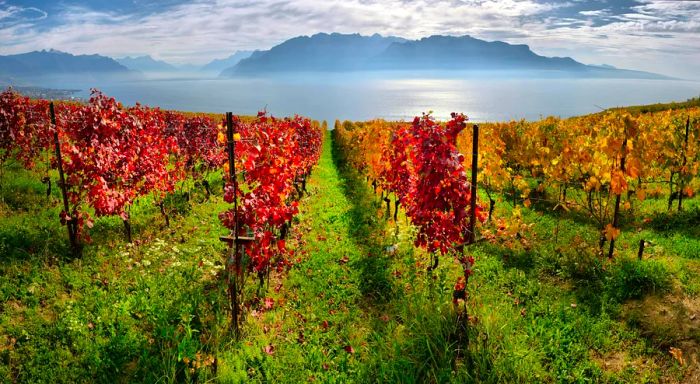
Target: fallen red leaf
(269, 349)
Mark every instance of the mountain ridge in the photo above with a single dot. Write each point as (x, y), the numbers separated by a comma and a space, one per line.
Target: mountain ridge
(145, 63)
(334, 52)
(319, 52)
(53, 62)
(337, 52)
(218, 65)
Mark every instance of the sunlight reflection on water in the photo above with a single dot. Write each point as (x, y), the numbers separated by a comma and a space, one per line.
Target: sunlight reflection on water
(362, 96)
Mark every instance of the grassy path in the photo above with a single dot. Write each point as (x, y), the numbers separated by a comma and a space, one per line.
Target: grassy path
(321, 326)
(349, 311)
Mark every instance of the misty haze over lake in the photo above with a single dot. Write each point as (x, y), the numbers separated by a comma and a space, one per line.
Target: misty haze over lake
(482, 96)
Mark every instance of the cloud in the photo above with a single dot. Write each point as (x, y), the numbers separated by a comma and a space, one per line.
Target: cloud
(197, 30)
(669, 16)
(596, 13)
(11, 15)
(625, 33)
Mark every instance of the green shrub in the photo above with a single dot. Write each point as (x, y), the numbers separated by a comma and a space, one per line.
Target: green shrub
(580, 263)
(177, 204)
(633, 279)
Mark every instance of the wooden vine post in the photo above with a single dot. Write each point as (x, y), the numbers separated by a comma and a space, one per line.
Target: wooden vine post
(475, 161)
(235, 242)
(126, 219)
(685, 161)
(470, 237)
(71, 224)
(233, 261)
(467, 262)
(616, 212)
(640, 252)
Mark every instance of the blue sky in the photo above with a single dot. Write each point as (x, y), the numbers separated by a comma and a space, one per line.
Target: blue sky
(655, 35)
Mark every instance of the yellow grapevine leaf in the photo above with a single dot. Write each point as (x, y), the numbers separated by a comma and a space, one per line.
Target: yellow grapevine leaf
(611, 233)
(618, 183)
(633, 168)
(641, 194)
(677, 354)
(592, 183)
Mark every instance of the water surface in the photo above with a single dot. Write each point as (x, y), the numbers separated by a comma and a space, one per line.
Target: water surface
(363, 96)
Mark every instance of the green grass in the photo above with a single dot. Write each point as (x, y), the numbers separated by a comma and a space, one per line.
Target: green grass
(120, 312)
(349, 310)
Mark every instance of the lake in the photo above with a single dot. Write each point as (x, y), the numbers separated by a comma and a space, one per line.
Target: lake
(363, 96)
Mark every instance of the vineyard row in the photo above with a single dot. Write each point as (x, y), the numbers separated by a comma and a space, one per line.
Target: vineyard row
(107, 156)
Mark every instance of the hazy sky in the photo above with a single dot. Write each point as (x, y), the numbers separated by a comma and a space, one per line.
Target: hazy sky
(661, 36)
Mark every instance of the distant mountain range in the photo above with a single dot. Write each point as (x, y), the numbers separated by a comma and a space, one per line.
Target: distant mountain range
(339, 52)
(320, 52)
(54, 62)
(218, 65)
(324, 52)
(146, 64)
(465, 52)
